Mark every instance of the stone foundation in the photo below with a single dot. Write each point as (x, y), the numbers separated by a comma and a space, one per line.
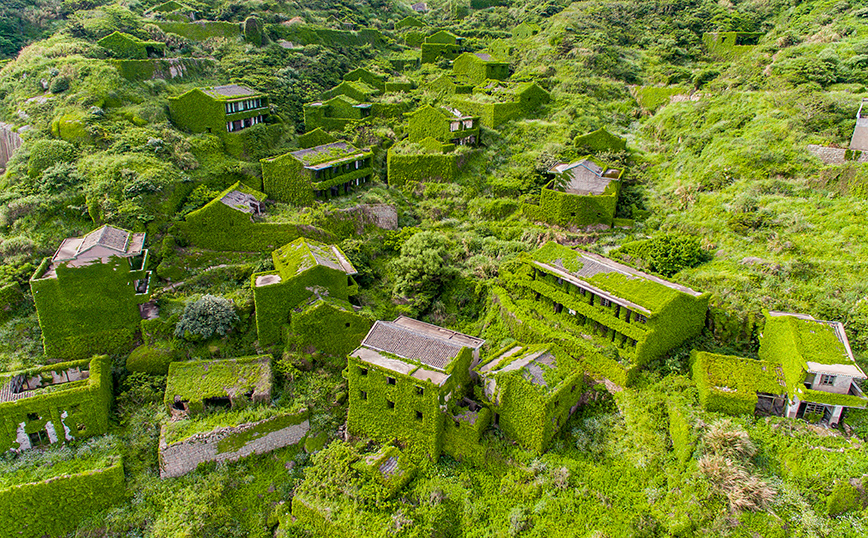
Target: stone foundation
(831, 155)
(184, 456)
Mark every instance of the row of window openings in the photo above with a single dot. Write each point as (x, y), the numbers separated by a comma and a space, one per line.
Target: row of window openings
(237, 125)
(460, 125)
(333, 171)
(389, 403)
(345, 188)
(241, 106)
(392, 381)
(597, 327)
(466, 141)
(603, 302)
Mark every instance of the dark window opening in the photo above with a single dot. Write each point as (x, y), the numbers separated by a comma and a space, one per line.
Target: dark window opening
(497, 419)
(418, 415)
(741, 39)
(573, 388)
(179, 405)
(80, 428)
(32, 417)
(347, 325)
(249, 395)
(420, 390)
(363, 371)
(38, 439)
(363, 395)
(220, 402)
(390, 380)
(390, 404)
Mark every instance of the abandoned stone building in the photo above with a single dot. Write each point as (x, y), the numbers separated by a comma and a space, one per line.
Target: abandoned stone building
(610, 316)
(408, 381)
(442, 45)
(88, 293)
(532, 391)
(443, 124)
(54, 404)
(221, 389)
(805, 370)
(581, 193)
(320, 172)
(337, 112)
(302, 269)
(479, 66)
(219, 109)
(822, 377)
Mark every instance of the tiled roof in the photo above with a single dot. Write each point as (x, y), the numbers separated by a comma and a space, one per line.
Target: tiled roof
(107, 236)
(241, 201)
(405, 341)
(230, 90)
(484, 56)
(311, 155)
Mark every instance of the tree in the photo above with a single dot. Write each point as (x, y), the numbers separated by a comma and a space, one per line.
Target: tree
(422, 269)
(205, 317)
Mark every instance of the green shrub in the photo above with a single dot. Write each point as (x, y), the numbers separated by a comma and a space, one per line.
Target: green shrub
(152, 360)
(46, 153)
(668, 253)
(59, 85)
(844, 497)
(206, 317)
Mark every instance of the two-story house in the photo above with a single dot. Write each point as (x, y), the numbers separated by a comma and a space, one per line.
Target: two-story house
(820, 372)
(443, 124)
(219, 109)
(533, 390)
(610, 316)
(302, 269)
(88, 293)
(320, 172)
(442, 45)
(407, 380)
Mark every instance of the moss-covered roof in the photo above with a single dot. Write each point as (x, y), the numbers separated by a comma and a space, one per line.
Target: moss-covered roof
(302, 254)
(318, 156)
(197, 380)
(543, 365)
(620, 281)
(728, 373)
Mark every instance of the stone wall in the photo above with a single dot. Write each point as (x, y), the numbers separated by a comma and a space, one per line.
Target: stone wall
(9, 142)
(831, 155)
(180, 458)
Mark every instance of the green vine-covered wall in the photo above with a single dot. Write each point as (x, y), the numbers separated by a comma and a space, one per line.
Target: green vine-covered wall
(326, 325)
(86, 404)
(730, 384)
(55, 506)
(88, 310)
(476, 69)
(421, 166)
(201, 30)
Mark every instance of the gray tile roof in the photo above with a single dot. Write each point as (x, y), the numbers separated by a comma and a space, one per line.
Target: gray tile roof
(241, 201)
(421, 345)
(107, 236)
(230, 90)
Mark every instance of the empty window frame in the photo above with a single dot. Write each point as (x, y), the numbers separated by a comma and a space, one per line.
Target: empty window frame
(390, 380)
(827, 380)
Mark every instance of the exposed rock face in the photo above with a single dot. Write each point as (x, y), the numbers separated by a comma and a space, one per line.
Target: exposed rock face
(9, 142)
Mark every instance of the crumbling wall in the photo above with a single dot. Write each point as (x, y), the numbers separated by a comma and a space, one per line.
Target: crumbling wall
(9, 142)
(231, 443)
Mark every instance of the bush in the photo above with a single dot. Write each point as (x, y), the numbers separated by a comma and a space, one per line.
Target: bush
(59, 85)
(205, 317)
(46, 153)
(667, 254)
(423, 268)
(152, 360)
(844, 497)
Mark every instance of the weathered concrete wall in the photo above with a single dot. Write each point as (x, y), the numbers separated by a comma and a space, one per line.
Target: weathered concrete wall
(831, 155)
(180, 458)
(9, 142)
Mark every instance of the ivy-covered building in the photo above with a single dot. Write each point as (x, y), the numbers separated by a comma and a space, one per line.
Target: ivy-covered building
(610, 316)
(54, 404)
(127, 47)
(496, 102)
(532, 390)
(526, 30)
(451, 84)
(358, 90)
(728, 45)
(600, 140)
(88, 293)
(367, 77)
(336, 113)
(479, 66)
(442, 45)
(409, 22)
(194, 387)
(320, 172)
(428, 160)
(302, 269)
(219, 109)
(582, 193)
(443, 124)
(407, 381)
(821, 375)
(207, 400)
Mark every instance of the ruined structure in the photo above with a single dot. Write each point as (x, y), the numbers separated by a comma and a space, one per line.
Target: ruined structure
(443, 124)
(581, 193)
(408, 380)
(88, 293)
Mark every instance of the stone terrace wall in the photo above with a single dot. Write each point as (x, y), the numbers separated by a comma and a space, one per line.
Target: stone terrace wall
(831, 155)
(9, 142)
(180, 458)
